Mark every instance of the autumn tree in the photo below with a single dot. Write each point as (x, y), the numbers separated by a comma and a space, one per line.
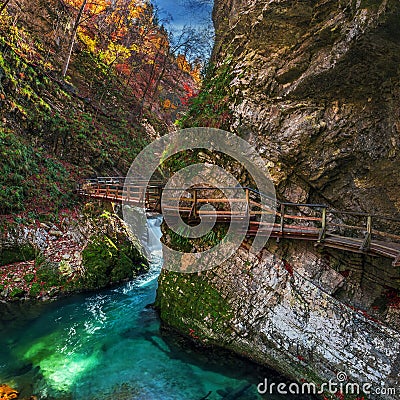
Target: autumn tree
(87, 10)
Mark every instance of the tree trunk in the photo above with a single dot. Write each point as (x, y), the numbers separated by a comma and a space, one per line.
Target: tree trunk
(72, 40)
(2, 8)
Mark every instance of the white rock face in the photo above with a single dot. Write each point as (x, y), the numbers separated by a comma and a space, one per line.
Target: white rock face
(283, 313)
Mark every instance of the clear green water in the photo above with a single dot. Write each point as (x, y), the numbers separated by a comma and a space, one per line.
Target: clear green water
(109, 345)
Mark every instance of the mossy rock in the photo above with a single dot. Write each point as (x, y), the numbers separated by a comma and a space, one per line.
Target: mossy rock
(15, 254)
(184, 299)
(106, 261)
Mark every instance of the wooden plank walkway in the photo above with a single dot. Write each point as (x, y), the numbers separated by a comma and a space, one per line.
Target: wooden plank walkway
(342, 230)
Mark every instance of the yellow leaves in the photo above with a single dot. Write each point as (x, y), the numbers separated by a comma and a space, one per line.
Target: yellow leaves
(96, 7)
(135, 10)
(92, 7)
(195, 73)
(134, 47)
(116, 52)
(183, 63)
(88, 41)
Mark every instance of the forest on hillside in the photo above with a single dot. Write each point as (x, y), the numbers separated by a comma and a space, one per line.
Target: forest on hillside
(84, 85)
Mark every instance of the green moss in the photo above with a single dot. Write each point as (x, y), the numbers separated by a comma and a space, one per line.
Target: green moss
(29, 278)
(16, 254)
(29, 177)
(369, 4)
(179, 241)
(17, 293)
(106, 262)
(35, 290)
(186, 301)
(49, 276)
(212, 106)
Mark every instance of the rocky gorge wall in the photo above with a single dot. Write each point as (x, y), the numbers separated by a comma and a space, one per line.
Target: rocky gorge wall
(314, 86)
(293, 309)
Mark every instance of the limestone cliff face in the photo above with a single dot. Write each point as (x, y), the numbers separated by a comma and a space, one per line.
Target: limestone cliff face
(315, 86)
(286, 308)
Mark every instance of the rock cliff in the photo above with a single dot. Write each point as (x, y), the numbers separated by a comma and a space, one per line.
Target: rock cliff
(286, 309)
(314, 86)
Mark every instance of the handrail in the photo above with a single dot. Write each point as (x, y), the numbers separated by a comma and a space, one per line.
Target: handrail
(321, 224)
(255, 191)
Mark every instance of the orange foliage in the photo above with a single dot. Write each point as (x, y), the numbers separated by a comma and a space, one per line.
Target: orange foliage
(7, 393)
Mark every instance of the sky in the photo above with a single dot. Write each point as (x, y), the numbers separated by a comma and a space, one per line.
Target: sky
(180, 13)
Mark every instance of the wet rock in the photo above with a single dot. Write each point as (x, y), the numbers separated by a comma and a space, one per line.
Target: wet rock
(285, 309)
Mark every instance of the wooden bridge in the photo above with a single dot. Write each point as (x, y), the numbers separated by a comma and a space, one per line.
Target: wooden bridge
(350, 231)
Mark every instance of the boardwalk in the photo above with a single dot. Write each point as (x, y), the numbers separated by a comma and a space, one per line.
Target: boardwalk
(349, 231)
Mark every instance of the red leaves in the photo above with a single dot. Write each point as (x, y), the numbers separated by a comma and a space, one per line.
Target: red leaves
(393, 298)
(189, 94)
(340, 395)
(192, 334)
(345, 273)
(288, 267)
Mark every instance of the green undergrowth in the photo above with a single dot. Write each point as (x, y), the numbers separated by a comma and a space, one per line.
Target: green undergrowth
(16, 254)
(180, 242)
(55, 131)
(31, 178)
(211, 107)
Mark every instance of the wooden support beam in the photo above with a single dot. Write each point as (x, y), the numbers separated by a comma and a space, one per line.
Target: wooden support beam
(282, 222)
(322, 232)
(368, 235)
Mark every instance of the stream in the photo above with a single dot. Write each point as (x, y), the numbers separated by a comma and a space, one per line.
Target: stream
(109, 345)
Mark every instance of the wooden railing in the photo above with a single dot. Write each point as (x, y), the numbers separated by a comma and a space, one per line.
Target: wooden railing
(347, 230)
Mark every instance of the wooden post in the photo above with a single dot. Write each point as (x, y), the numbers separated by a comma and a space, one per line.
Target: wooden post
(195, 203)
(322, 232)
(282, 210)
(369, 224)
(247, 201)
(368, 235)
(160, 192)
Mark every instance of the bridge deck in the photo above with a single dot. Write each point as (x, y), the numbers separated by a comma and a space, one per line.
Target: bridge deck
(313, 222)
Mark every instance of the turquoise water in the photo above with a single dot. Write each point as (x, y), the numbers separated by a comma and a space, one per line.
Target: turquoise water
(109, 345)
